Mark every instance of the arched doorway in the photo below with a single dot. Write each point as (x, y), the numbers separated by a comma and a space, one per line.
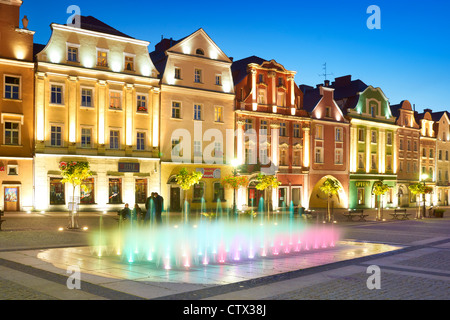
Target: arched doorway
(319, 199)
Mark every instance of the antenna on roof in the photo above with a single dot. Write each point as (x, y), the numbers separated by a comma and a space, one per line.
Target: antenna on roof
(325, 74)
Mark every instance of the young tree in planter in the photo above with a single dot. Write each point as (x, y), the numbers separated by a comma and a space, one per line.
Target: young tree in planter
(75, 173)
(186, 180)
(380, 189)
(330, 187)
(267, 183)
(420, 189)
(234, 182)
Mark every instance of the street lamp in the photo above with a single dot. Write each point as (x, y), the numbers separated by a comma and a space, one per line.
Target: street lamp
(424, 177)
(235, 163)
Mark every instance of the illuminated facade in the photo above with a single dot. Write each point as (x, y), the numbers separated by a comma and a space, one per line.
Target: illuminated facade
(442, 121)
(272, 131)
(197, 130)
(97, 100)
(16, 109)
(408, 161)
(330, 142)
(373, 147)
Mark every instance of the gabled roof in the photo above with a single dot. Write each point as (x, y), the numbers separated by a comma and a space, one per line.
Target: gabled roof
(93, 24)
(239, 67)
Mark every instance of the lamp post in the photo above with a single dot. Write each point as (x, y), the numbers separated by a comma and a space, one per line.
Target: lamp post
(424, 177)
(235, 164)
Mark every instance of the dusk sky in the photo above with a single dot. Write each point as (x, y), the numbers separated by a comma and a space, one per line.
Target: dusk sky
(408, 58)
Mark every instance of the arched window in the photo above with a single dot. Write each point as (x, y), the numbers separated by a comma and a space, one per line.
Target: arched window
(200, 52)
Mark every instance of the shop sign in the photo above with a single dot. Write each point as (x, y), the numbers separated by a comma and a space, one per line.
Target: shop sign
(362, 184)
(210, 173)
(129, 167)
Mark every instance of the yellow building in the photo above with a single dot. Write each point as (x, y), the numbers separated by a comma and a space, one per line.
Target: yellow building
(16, 109)
(197, 129)
(97, 100)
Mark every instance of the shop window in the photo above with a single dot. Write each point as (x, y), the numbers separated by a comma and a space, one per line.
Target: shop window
(87, 194)
(141, 191)
(57, 192)
(115, 191)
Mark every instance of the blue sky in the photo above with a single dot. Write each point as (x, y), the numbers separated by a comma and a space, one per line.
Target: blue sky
(408, 58)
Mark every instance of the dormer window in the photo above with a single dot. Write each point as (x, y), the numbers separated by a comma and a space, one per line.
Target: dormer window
(129, 63)
(102, 58)
(200, 52)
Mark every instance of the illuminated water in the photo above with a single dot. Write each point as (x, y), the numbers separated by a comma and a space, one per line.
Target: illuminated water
(214, 239)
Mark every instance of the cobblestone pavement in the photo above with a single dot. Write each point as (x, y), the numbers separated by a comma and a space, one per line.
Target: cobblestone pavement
(420, 270)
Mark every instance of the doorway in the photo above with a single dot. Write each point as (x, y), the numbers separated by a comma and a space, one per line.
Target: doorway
(175, 199)
(12, 203)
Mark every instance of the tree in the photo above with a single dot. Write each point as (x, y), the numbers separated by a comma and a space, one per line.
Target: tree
(186, 180)
(267, 183)
(234, 182)
(420, 189)
(330, 187)
(75, 173)
(380, 189)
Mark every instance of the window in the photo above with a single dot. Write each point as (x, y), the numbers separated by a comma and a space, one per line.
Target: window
(373, 137)
(218, 114)
(115, 100)
(141, 191)
(361, 161)
(129, 63)
(361, 196)
(12, 88)
(12, 170)
(200, 52)
(177, 74)
(424, 153)
(72, 54)
(389, 139)
(86, 98)
(56, 136)
(176, 148)
(115, 191)
(282, 129)
(86, 134)
(373, 162)
(260, 78)
(197, 149)
(12, 132)
(249, 156)
(296, 131)
(263, 159)
(219, 192)
(339, 135)
(373, 110)
(263, 128)
(401, 144)
(218, 80)
(280, 82)
(218, 153)
(408, 145)
(361, 136)
(57, 194)
(197, 112)
(283, 157)
(339, 156)
(176, 110)
(142, 103)
(199, 191)
(114, 136)
(446, 155)
(415, 146)
(102, 58)
(140, 141)
(261, 96)
(389, 164)
(56, 94)
(327, 112)
(319, 132)
(198, 76)
(319, 155)
(281, 99)
(440, 154)
(248, 124)
(431, 153)
(87, 193)
(297, 158)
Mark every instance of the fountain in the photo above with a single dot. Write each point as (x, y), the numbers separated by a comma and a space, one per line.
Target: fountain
(213, 239)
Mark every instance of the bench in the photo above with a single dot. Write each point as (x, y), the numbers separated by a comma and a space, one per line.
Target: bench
(355, 213)
(400, 213)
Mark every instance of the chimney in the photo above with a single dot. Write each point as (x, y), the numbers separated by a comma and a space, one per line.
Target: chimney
(327, 83)
(427, 110)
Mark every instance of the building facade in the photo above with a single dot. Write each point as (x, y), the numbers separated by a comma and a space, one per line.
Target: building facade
(408, 142)
(97, 100)
(330, 142)
(441, 127)
(16, 109)
(272, 131)
(197, 113)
